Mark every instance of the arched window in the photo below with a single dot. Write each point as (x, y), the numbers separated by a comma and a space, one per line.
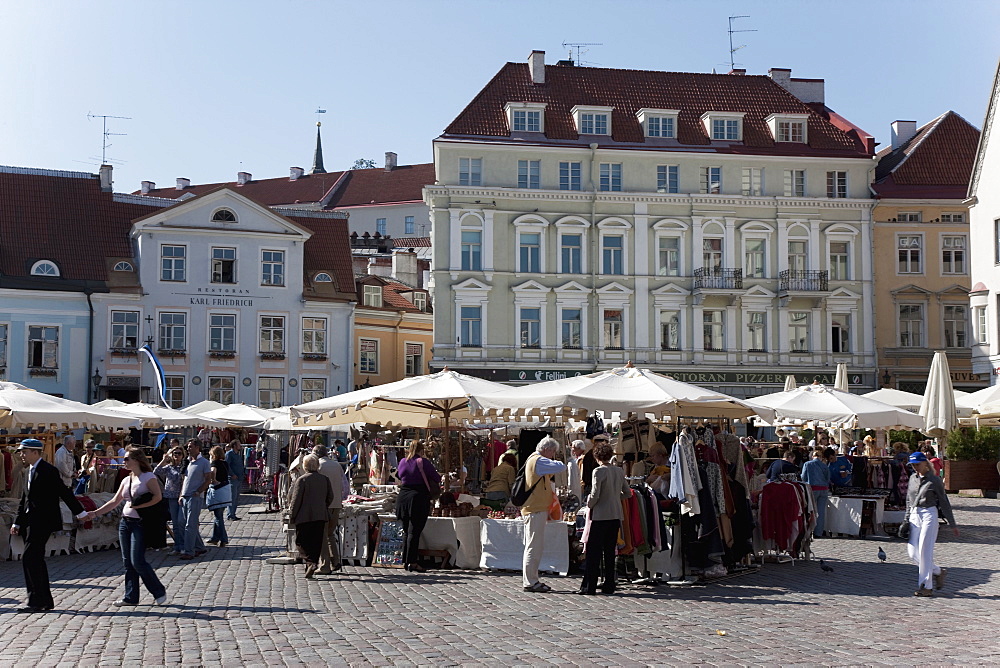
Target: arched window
(124, 266)
(44, 268)
(323, 278)
(223, 216)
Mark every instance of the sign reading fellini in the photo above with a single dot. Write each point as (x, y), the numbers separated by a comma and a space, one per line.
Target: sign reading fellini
(220, 297)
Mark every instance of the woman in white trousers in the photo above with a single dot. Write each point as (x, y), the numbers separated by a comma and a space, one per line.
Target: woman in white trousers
(925, 498)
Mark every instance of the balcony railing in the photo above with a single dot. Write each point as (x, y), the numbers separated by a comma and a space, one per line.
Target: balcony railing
(793, 280)
(718, 278)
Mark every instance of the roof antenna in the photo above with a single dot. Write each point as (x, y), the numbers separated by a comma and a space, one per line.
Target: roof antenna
(733, 50)
(580, 50)
(107, 133)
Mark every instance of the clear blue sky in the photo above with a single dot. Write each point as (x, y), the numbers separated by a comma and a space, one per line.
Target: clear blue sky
(213, 87)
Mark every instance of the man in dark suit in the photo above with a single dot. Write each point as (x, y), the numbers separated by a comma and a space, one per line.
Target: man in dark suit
(38, 517)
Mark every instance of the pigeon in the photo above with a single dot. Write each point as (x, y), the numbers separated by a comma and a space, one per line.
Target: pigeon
(881, 555)
(826, 569)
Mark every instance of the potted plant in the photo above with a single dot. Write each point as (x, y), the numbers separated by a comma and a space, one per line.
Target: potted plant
(972, 459)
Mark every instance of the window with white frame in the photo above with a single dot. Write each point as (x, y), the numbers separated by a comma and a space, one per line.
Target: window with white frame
(45, 268)
(270, 392)
(612, 254)
(911, 325)
(124, 330)
(529, 174)
(420, 300)
(472, 326)
(527, 121)
(223, 265)
(711, 254)
(530, 327)
(711, 180)
(909, 217)
(757, 332)
(668, 178)
(124, 265)
(670, 330)
(223, 216)
(472, 250)
(314, 336)
(221, 333)
(755, 260)
(272, 334)
(173, 331)
(713, 330)
(726, 129)
(753, 181)
(661, 126)
(368, 356)
(409, 226)
(381, 226)
(613, 333)
(840, 333)
(414, 360)
(313, 389)
(173, 263)
(43, 347)
(953, 254)
(222, 389)
(571, 253)
(470, 171)
(982, 332)
(173, 388)
(836, 184)
(791, 131)
(530, 252)
(570, 176)
(952, 217)
(795, 183)
(909, 247)
(955, 325)
(272, 267)
(840, 254)
(611, 176)
(3, 346)
(798, 255)
(595, 123)
(372, 296)
(668, 256)
(572, 328)
(323, 277)
(798, 331)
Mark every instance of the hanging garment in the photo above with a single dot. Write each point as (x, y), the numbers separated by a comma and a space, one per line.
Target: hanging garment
(685, 481)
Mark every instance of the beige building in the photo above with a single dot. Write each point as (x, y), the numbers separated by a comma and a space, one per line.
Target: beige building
(922, 252)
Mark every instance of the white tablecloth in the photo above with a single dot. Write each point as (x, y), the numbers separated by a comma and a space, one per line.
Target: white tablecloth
(458, 535)
(843, 514)
(503, 546)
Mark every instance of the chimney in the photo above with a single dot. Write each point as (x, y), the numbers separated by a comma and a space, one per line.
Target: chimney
(147, 186)
(404, 267)
(390, 161)
(106, 178)
(375, 268)
(536, 65)
(902, 132)
(810, 91)
(243, 178)
(738, 71)
(295, 173)
(183, 183)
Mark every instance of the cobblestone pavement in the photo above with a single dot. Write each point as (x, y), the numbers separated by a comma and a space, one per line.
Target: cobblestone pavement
(231, 608)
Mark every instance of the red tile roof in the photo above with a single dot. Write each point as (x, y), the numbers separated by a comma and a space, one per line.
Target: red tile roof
(64, 217)
(627, 91)
(365, 187)
(391, 289)
(411, 242)
(329, 250)
(937, 162)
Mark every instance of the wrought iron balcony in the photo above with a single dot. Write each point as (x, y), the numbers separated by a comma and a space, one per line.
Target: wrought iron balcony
(718, 278)
(793, 280)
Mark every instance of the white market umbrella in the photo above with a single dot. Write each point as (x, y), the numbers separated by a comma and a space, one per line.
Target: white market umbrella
(36, 410)
(203, 407)
(898, 398)
(826, 406)
(109, 403)
(9, 385)
(241, 415)
(154, 416)
(624, 390)
(840, 380)
(938, 406)
(790, 383)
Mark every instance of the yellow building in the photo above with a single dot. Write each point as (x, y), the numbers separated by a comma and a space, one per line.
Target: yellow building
(921, 252)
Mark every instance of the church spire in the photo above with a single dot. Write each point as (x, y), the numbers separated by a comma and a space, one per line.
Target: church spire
(317, 167)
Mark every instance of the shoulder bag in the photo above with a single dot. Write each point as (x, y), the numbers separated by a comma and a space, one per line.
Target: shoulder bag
(219, 497)
(434, 492)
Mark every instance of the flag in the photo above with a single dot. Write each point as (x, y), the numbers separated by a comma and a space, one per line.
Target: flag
(161, 384)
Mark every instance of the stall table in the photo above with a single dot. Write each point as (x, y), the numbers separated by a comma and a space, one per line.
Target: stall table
(503, 545)
(844, 514)
(458, 535)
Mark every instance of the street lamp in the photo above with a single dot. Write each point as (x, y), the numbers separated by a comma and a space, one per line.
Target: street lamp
(96, 379)
(886, 377)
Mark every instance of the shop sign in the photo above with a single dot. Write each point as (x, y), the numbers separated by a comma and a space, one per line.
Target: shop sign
(220, 296)
(539, 375)
(964, 377)
(745, 378)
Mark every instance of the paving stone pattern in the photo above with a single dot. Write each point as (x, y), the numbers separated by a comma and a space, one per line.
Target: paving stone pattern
(230, 608)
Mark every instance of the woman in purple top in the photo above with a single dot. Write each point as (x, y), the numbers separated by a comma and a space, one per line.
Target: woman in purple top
(417, 477)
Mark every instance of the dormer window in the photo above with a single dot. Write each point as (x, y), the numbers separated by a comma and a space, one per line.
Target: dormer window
(526, 116)
(723, 125)
(788, 127)
(123, 266)
(44, 268)
(323, 277)
(592, 120)
(658, 122)
(223, 216)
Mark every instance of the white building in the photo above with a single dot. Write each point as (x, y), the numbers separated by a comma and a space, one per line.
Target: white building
(714, 227)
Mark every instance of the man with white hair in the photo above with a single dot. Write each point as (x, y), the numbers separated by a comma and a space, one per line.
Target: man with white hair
(66, 461)
(539, 470)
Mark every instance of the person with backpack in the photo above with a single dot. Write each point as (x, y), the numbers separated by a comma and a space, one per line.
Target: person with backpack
(539, 470)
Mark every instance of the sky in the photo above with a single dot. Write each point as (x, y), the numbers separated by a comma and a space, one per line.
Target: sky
(211, 88)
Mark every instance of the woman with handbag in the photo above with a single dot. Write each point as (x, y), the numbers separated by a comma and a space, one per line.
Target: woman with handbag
(140, 490)
(608, 489)
(309, 511)
(217, 496)
(925, 497)
(419, 483)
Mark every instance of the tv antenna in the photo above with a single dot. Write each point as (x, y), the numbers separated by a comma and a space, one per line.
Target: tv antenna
(732, 49)
(579, 49)
(107, 133)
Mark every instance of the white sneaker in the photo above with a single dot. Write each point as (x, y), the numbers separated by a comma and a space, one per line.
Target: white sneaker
(162, 600)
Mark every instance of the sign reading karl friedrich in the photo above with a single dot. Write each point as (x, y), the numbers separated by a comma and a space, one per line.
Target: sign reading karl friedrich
(221, 297)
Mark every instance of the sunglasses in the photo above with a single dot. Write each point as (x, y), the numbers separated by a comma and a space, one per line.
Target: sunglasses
(600, 440)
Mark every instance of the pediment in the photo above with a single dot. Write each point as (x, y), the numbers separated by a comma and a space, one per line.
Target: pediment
(759, 291)
(840, 228)
(955, 291)
(472, 284)
(531, 286)
(571, 287)
(756, 226)
(671, 289)
(670, 224)
(615, 289)
(844, 293)
(911, 289)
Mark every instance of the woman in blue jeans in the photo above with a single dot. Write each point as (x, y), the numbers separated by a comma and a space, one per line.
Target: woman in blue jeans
(221, 471)
(142, 489)
(170, 471)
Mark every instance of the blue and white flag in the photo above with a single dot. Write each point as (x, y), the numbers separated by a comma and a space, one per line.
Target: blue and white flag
(161, 384)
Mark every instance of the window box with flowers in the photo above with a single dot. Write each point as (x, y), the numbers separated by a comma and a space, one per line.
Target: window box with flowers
(171, 352)
(272, 356)
(42, 371)
(314, 357)
(122, 351)
(223, 354)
